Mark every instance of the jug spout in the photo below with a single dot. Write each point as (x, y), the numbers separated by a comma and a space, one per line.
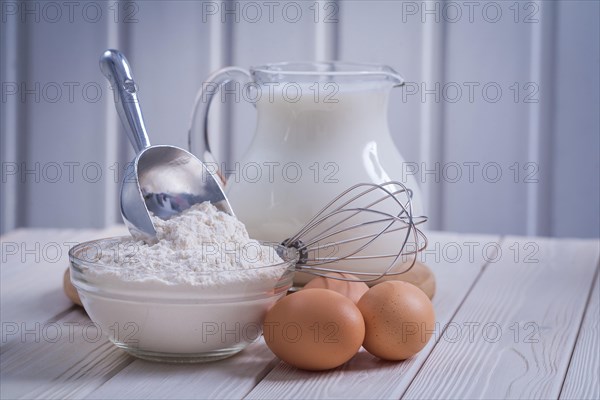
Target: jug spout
(393, 76)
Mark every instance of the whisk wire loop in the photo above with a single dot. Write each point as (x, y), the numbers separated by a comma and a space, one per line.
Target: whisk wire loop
(362, 229)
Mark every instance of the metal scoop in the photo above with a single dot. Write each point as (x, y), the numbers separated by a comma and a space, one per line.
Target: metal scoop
(162, 180)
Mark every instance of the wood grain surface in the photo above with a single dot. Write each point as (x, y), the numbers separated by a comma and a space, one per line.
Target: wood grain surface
(44, 352)
(583, 378)
(231, 378)
(517, 318)
(31, 261)
(66, 358)
(525, 315)
(365, 376)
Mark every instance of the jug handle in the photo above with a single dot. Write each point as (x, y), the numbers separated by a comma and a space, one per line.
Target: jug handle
(201, 108)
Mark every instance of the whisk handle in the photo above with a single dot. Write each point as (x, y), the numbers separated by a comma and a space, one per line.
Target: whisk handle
(302, 250)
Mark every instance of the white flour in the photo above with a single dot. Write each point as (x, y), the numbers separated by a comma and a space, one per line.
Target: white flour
(191, 249)
(201, 291)
(195, 248)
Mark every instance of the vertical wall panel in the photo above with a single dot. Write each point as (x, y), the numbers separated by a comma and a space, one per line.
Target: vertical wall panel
(575, 157)
(168, 46)
(385, 32)
(64, 129)
(381, 32)
(221, 55)
(431, 134)
(10, 150)
(492, 54)
(170, 54)
(327, 30)
(541, 120)
(116, 144)
(541, 134)
(286, 34)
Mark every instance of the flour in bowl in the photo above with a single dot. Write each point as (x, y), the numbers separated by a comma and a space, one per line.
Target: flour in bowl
(200, 247)
(199, 293)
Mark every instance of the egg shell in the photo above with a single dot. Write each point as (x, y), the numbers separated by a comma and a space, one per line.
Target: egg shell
(352, 290)
(419, 275)
(314, 329)
(399, 320)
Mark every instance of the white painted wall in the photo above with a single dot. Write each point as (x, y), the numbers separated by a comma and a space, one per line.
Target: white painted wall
(550, 50)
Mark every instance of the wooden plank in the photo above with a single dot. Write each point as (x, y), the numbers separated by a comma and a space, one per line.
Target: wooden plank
(382, 32)
(33, 366)
(34, 310)
(289, 29)
(541, 121)
(575, 155)
(63, 130)
(527, 315)
(480, 118)
(178, 52)
(368, 377)
(582, 381)
(31, 272)
(58, 359)
(11, 41)
(226, 379)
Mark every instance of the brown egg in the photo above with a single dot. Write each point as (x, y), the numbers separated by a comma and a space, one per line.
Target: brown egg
(419, 275)
(314, 329)
(399, 320)
(352, 290)
(69, 289)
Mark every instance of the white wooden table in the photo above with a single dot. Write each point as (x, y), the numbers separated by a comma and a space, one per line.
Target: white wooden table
(517, 318)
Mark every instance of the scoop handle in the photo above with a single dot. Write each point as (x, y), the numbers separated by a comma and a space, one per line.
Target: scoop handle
(116, 69)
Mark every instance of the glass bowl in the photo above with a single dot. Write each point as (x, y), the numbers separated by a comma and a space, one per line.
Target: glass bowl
(157, 321)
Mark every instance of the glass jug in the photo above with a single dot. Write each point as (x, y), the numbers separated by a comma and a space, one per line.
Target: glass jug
(321, 128)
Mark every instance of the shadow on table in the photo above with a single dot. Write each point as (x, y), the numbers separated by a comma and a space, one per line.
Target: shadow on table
(361, 362)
